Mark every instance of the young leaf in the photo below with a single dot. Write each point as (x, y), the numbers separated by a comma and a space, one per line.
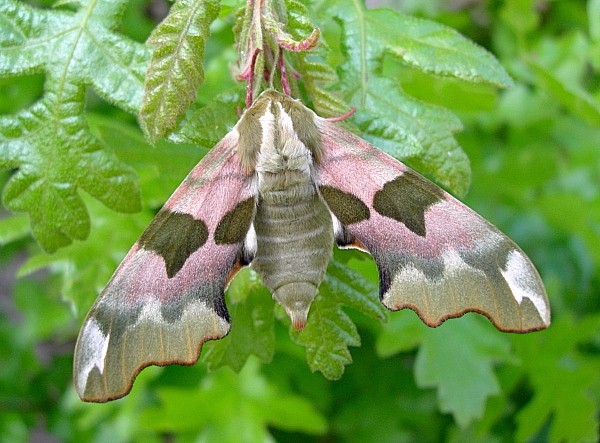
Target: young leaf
(422, 44)
(329, 331)
(49, 144)
(316, 75)
(176, 67)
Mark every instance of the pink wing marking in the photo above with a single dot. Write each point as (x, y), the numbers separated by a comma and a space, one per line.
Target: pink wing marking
(143, 317)
(460, 263)
(213, 188)
(353, 165)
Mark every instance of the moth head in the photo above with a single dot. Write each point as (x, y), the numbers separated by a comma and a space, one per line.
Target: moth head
(299, 119)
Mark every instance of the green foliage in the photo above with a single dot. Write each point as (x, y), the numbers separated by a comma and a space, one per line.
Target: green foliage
(257, 404)
(394, 121)
(329, 330)
(73, 49)
(252, 328)
(562, 372)
(443, 360)
(71, 84)
(317, 74)
(175, 71)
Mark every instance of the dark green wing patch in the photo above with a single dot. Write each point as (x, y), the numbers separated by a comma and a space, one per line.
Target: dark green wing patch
(174, 236)
(234, 225)
(406, 198)
(346, 207)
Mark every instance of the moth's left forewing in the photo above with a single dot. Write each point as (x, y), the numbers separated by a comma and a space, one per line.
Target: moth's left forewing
(166, 298)
(434, 254)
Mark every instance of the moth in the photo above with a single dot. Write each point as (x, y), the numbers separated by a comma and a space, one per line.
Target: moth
(277, 192)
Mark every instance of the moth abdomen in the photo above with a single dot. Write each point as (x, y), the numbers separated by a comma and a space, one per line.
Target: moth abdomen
(294, 234)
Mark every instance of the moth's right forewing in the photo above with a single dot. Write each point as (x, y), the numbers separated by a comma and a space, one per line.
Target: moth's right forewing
(166, 298)
(435, 255)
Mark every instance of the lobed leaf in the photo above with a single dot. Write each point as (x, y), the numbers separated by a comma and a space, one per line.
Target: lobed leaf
(410, 129)
(176, 68)
(458, 360)
(395, 122)
(446, 354)
(49, 144)
(329, 331)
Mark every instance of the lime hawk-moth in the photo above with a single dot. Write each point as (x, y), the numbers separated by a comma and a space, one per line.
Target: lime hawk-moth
(277, 192)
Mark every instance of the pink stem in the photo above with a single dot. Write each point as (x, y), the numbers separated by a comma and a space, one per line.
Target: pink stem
(344, 116)
(285, 84)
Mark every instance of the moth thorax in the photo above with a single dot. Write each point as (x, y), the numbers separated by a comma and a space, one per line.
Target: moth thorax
(296, 298)
(277, 161)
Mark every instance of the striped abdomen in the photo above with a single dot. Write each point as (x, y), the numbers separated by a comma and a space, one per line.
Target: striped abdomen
(294, 233)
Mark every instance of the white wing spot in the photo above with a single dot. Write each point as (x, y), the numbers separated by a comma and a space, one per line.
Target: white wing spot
(96, 346)
(250, 242)
(518, 276)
